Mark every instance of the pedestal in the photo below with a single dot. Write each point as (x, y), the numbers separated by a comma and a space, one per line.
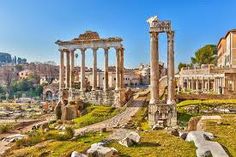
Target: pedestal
(162, 115)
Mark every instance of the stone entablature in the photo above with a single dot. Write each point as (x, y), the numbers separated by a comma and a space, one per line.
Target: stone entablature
(90, 40)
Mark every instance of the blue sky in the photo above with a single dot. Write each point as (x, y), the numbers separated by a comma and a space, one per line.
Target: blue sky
(29, 28)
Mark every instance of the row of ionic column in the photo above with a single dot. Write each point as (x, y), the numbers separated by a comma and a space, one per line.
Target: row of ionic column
(196, 84)
(154, 64)
(66, 75)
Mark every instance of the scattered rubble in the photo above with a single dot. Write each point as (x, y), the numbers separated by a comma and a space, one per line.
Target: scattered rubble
(131, 139)
(205, 147)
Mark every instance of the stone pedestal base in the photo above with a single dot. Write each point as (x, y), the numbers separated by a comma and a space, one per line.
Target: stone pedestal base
(69, 112)
(162, 115)
(120, 98)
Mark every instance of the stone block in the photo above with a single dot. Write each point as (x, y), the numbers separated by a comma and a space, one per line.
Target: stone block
(69, 112)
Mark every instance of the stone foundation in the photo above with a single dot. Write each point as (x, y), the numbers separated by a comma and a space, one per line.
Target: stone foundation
(162, 115)
(97, 97)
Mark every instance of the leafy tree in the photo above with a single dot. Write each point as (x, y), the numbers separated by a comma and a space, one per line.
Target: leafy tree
(182, 65)
(205, 55)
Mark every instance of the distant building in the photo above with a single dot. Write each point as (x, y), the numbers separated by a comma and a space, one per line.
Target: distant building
(24, 74)
(219, 79)
(227, 50)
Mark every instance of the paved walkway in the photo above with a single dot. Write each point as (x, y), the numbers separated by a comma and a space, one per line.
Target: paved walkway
(117, 121)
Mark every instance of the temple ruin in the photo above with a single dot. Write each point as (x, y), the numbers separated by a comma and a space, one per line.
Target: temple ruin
(160, 113)
(98, 95)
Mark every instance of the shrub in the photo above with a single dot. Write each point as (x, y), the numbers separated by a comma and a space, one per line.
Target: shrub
(5, 128)
(69, 132)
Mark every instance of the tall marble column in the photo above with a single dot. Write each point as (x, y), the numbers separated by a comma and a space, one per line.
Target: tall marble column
(67, 69)
(117, 69)
(154, 71)
(105, 86)
(202, 87)
(62, 70)
(82, 70)
(72, 61)
(122, 68)
(94, 68)
(188, 84)
(208, 85)
(192, 84)
(171, 68)
(197, 84)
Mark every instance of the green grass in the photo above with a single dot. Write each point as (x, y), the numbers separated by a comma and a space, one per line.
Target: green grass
(58, 148)
(157, 144)
(95, 114)
(225, 133)
(184, 115)
(138, 120)
(4, 128)
(207, 102)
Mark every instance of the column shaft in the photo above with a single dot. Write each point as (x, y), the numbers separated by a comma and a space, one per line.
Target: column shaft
(202, 88)
(208, 84)
(122, 68)
(82, 70)
(62, 70)
(67, 69)
(72, 54)
(94, 68)
(105, 86)
(154, 71)
(117, 69)
(171, 68)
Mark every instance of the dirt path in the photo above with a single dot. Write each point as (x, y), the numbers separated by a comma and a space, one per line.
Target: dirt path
(117, 121)
(23, 126)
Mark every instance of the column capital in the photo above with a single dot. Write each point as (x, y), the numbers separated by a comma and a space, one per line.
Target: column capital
(95, 49)
(170, 35)
(154, 35)
(106, 48)
(72, 50)
(83, 49)
(63, 50)
(118, 48)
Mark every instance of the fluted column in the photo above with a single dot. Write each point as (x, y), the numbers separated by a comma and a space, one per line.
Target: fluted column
(94, 68)
(105, 86)
(72, 62)
(122, 68)
(202, 84)
(82, 70)
(192, 84)
(197, 84)
(154, 71)
(171, 68)
(67, 69)
(62, 70)
(117, 69)
(208, 85)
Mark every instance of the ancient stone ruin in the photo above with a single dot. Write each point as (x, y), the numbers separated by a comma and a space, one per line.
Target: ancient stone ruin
(98, 95)
(161, 114)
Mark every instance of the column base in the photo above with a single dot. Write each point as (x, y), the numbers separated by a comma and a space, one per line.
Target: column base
(170, 102)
